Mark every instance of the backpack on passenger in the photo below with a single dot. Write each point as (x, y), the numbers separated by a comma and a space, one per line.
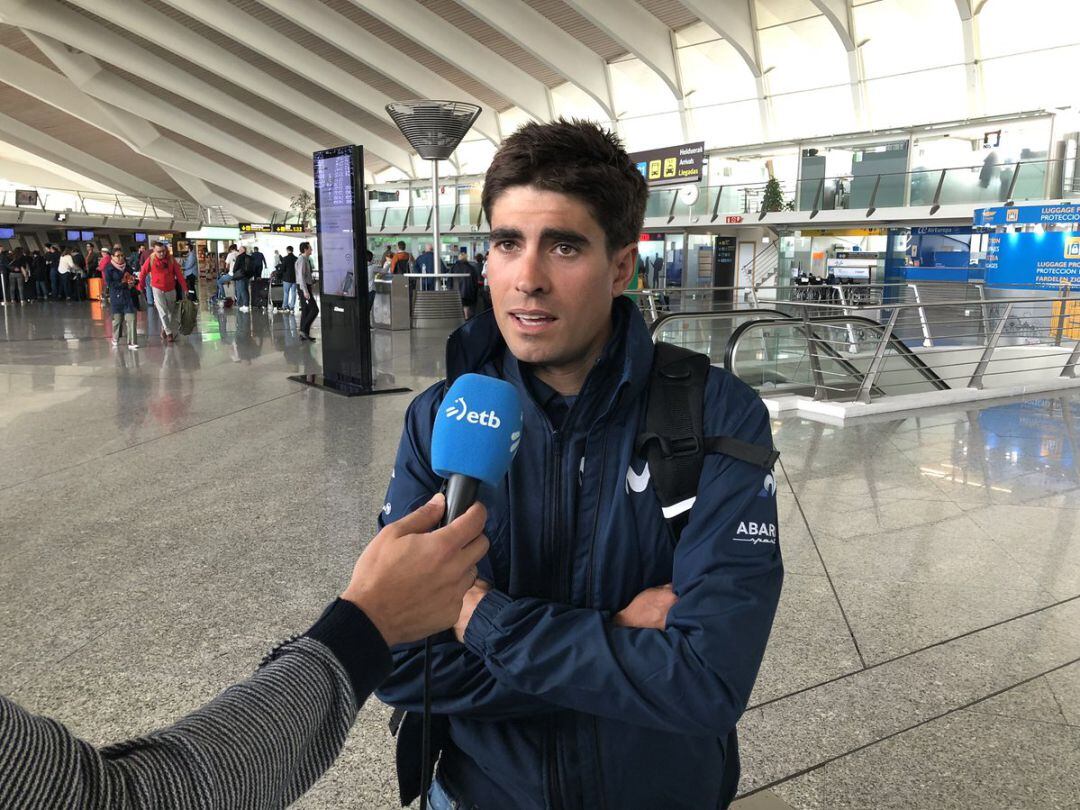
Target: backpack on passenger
(189, 314)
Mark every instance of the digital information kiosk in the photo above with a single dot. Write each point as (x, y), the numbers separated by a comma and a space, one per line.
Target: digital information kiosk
(345, 303)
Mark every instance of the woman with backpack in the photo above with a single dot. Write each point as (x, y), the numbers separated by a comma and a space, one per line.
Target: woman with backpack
(120, 283)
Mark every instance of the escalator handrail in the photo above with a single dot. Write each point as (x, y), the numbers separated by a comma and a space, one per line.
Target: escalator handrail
(898, 345)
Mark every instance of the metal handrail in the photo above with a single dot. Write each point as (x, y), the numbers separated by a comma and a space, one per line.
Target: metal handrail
(1050, 324)
(121, 204)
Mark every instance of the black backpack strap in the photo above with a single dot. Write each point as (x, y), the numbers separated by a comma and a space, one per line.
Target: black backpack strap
(674, 443)
(674, 437)
(764, 457)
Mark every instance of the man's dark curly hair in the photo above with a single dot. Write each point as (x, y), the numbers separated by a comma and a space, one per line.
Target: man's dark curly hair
(579, 159)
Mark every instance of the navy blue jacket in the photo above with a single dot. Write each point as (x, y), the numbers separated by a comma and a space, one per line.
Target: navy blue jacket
(121, 298)
(550, 705)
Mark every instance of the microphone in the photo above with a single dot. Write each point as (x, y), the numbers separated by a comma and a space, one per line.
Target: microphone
(476, 433)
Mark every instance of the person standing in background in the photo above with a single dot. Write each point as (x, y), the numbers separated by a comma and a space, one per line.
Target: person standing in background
(120, 283)
(373, 267)
(66, 270)
(93, 258)
(18, 273)
(52, 263)
(240, 277)
(288, 280)
(309, 308)
(164, 274)
(191, 271)
(39, 271)
(78, 276)
(5, 272)
(470, 286)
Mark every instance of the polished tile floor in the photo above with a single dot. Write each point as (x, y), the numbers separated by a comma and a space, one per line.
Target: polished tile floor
(169, 513)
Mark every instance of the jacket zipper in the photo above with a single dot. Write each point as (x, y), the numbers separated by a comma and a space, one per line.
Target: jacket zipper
(556, 547)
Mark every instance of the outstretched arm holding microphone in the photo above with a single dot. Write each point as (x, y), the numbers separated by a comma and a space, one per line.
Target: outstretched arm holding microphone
(266, 740)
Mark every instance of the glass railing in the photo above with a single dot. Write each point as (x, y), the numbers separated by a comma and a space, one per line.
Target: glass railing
(983, 184)
(98, 203)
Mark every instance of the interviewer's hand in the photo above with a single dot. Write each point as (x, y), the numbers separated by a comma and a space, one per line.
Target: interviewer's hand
(649, 609)
(410, 580)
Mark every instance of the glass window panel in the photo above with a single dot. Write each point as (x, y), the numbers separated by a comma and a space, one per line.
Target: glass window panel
(907, 35)
(927, 96)
(637, 90)
(651, 131)
(1030, 81)
(570, 101)
(726, 124)
(714, 73)
(804, 55)
(800, 115)
(1014, 27)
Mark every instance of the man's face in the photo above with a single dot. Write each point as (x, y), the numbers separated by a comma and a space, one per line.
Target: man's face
(551, 278)
(159, 251)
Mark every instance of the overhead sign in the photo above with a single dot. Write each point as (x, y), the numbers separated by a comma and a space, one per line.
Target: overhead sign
(26, 197)
(1027, 215)
(651, 237)
(941, 230)
(735, 219)
(671, 166)
(843, 232)
(256, 227)
(289, 229)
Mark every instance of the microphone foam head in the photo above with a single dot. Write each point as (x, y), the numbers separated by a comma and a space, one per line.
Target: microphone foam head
(477, 430)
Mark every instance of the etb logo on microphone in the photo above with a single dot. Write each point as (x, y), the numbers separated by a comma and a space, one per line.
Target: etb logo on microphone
(460, 410)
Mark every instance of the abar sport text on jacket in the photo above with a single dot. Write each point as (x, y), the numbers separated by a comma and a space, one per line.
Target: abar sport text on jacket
(549, 704)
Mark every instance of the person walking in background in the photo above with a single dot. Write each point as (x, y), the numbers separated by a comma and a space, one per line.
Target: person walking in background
(191, 272)
(39, 272)
(164, 274)
(309, 308)
(120, 284)
(277, 263)
(66, 270)
(240, 277)
(288, 280)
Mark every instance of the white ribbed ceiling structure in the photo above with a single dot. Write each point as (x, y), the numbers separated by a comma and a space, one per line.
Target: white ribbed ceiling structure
(223, 101)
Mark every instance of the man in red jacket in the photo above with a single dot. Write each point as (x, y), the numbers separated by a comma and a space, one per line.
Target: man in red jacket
(165, 275)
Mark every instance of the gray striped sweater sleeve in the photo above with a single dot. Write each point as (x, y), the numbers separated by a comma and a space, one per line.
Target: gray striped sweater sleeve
(260, 744)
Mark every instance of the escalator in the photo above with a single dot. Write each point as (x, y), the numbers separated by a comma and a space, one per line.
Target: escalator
(827, 358)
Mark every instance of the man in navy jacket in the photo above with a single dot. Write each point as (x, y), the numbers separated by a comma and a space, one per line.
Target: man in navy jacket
(599, 663)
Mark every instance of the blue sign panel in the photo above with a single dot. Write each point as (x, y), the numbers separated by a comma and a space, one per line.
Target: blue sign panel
(1033, 260)
(1027, 215)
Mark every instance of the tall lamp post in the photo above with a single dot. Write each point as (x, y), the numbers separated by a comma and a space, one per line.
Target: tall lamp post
(434, 129)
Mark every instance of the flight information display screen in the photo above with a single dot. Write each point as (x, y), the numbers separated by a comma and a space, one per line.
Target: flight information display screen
(335, 193)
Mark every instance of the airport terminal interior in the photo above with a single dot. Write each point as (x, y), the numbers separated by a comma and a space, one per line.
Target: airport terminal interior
(866, 210)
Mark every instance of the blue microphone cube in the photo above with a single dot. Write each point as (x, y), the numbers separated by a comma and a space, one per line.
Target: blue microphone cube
(477, 430)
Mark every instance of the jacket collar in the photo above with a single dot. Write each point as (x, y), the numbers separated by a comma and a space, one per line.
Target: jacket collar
(625, 361)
